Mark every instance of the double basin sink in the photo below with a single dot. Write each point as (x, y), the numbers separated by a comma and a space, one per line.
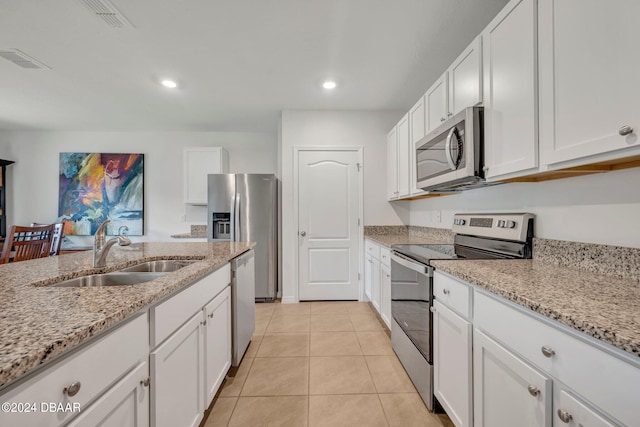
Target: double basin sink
(139, 273)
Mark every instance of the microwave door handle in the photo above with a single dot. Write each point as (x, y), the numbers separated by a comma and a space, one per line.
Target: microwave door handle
(447, 149)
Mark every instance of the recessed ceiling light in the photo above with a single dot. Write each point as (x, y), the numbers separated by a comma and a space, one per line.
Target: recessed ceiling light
(169, 83)
(329, 85)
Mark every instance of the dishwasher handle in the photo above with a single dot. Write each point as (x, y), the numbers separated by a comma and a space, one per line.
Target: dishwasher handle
(242, 259)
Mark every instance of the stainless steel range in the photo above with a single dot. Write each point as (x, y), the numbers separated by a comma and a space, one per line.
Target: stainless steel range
(477, 236)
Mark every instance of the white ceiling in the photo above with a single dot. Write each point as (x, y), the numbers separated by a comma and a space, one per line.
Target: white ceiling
(238, 62)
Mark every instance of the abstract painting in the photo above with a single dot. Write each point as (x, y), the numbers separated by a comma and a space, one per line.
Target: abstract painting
(98, 186)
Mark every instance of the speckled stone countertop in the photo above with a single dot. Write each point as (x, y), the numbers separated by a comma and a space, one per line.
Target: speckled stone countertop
(604, 307)
(197, 232)
(404, 235)
(39, 322)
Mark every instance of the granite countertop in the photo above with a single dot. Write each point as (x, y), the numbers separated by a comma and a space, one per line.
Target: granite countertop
(405, 235)
(401, 239)
(604, 307)
(39, 322)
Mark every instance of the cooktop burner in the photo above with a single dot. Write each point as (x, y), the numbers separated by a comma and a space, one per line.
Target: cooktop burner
(425, 253)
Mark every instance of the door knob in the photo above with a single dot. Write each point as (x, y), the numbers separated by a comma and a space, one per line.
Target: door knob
(303, 233)
(625, 130)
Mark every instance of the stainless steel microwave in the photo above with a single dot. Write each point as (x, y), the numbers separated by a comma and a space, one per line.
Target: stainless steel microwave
(450, 158)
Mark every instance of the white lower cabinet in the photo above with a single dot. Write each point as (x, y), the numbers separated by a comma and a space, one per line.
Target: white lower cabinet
(507, 391)
(375, 283)
(177, 375)
(452, 383)
(126, 404)
(217, 342)
(571, 411)
(385, 294)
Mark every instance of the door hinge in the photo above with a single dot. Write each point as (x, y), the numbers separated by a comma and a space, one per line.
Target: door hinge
(358, 221)
(358, 165)
(358, 276)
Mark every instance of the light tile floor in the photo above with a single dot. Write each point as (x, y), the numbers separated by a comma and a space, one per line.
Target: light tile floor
(320, 364)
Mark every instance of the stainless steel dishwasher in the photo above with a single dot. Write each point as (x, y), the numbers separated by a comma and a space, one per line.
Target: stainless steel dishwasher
(243, 300)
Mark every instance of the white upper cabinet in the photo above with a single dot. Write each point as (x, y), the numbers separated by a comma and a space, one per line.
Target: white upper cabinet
(392, 163)
(417, 131)
(436, 101)
(198, 163)
(510, 91)
(589, 80)
(465, 78)
(398, 158)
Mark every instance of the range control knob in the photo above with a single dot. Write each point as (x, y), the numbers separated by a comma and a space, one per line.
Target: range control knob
(500, 223)
(510, 224)
(463, 221)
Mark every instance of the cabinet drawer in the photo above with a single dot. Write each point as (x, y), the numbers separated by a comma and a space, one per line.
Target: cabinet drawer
(95, 368)
(385, 256)
(372, 249)
(171, 314)
(453, 294)
(610, 381)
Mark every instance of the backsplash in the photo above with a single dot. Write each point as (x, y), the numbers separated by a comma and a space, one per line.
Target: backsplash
(616, 261)
(437, 234)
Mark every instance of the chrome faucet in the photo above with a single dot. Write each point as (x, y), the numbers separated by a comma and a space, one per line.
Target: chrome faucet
(101, 248)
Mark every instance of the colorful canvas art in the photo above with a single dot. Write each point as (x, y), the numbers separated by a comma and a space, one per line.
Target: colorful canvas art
(99, 186)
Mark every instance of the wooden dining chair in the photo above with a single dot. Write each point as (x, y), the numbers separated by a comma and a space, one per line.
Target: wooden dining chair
(24, 243)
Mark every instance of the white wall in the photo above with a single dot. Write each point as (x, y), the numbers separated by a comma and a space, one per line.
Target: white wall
(337, 129)
(602, 208)
(33, 179)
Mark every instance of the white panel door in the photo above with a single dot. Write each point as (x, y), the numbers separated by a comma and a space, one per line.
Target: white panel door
(510, 90)
(589, 78)
(217, 359)
(328, 231)
(571, 411)
(507, 391)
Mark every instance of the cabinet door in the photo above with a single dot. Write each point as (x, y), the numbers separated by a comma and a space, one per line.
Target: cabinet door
(385, 294)
(198, 163)
(436, 103)
(569, 410)
(452, 364)
(507, 391)
(368, 277)
(177, 377)
(217, 342)
(588, 78)
(417, 132)
(392, 163)
(403, 156)
(510, 90)
(375, 284)
(124, 404)
(465, 78)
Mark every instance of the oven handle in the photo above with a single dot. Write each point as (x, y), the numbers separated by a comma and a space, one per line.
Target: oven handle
(409, 263)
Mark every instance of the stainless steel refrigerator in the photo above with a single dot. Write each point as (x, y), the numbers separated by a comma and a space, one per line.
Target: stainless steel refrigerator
(244, 208)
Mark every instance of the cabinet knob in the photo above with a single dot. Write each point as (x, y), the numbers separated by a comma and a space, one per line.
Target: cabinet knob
(548, 351)
(625, 130)
(211, 316)
(449, 114)
(432, 309)
(564, 416)
(533, 390)
(203, 323)
(485, 169)
(145, 382)
(72, 389)
(445, 291)
(303, 233)
(442, 119)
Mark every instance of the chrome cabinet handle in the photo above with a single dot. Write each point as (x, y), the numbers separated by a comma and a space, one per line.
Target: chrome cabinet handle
(564, 416)
(203, 323)
(145, 382)
(303, 233)
(72, 389)
(445, 291)
(533, 390)
(432, 309)
(442, 119)
(548, 351)
(449, 114)
(625, 130)
(210, 316)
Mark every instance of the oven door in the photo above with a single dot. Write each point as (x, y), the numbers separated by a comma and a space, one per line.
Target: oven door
(411, 298)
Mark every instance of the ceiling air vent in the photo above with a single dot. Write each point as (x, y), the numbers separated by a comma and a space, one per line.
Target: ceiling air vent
(104, 10)
(21, 59)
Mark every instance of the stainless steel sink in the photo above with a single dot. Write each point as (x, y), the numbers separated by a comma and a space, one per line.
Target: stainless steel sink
(164, 266)
(110, 279)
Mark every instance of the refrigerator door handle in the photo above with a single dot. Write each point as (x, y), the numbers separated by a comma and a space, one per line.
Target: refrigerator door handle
(236, 218)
